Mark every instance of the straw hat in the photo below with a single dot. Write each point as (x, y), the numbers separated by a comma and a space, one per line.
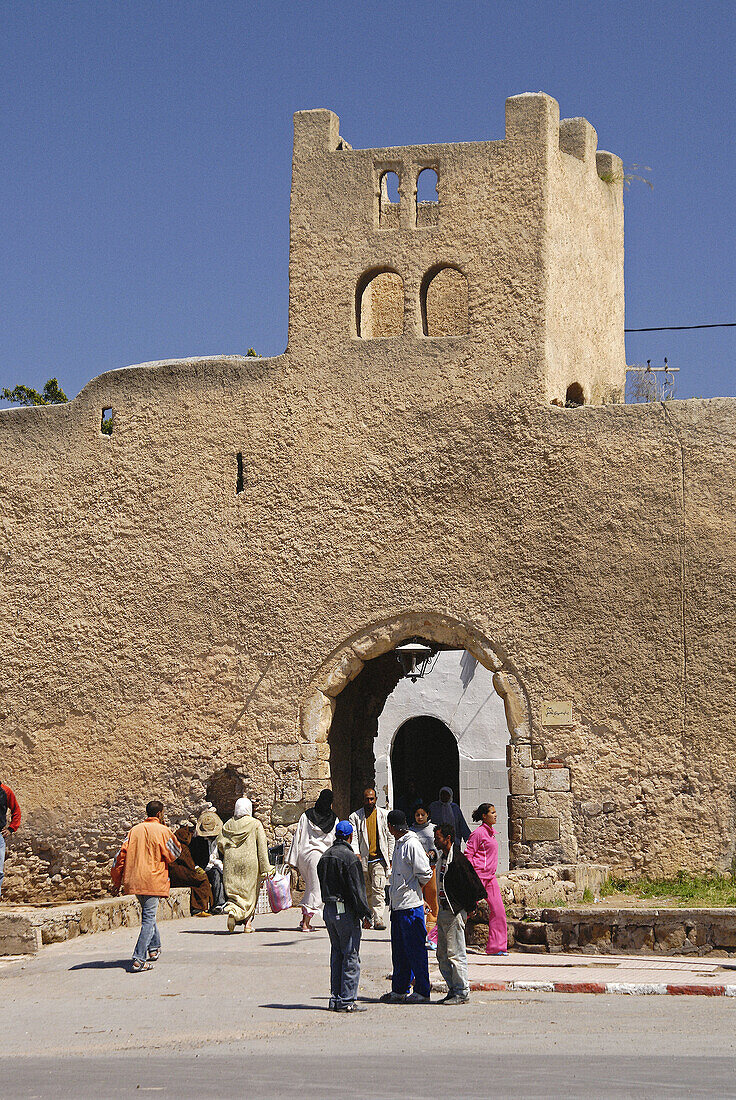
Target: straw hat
(208, 824)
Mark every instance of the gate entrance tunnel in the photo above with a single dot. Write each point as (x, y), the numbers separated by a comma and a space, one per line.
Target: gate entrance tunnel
(448, 729)
(424, 758)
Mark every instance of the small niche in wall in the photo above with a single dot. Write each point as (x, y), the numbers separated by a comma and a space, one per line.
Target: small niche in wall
(575, 397)
(107, 422)
(239, 482)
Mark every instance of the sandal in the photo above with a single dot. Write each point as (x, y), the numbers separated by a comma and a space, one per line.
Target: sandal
(154, 955)
(139, 966)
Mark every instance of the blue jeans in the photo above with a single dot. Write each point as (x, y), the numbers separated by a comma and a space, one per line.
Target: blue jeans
(149, 939)
(2, 861)
(344, 932)
(408, 951)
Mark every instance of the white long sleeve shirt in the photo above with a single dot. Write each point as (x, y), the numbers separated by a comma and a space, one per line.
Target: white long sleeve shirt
(410, 870)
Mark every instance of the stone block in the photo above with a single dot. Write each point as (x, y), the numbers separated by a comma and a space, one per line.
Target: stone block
(597, 936)
(530, 932)
(287, 813)
(670, 940)
(519, 755)
(723, 933)
(314, 769)
(313, 789)
(18, 936)
(633, 937)
(283, 752)
(554, 804)
(522, 781)
(541, 828)
(289, 789)
(552, 779)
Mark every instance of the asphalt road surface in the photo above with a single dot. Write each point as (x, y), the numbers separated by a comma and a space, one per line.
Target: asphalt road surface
(246, 1016)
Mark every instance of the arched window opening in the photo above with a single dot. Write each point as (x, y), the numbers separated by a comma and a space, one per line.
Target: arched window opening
(389, 201)
(427, 198)
(574, 397)
(444, 302)
(379, 305)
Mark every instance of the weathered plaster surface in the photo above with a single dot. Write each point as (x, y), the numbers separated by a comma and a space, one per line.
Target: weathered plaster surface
(156, 626)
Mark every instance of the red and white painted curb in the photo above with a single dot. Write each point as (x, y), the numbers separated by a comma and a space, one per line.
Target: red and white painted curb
(631, 989)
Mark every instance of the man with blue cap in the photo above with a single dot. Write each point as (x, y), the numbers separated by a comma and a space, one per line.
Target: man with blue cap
(341, 882)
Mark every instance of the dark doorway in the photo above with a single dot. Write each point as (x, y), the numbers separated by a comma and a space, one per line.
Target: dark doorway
(424, 758)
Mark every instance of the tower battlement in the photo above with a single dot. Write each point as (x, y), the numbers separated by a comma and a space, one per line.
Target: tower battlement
(519, 257)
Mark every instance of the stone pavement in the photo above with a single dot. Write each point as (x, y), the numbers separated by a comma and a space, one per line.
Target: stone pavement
(223, 1016)
(627, 974)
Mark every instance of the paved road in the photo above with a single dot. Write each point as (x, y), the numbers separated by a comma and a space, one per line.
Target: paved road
(231, 1016)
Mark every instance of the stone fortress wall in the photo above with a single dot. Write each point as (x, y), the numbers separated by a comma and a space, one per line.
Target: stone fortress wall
(185, 602)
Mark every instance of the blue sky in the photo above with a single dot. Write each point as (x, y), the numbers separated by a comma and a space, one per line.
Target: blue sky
(146, 157)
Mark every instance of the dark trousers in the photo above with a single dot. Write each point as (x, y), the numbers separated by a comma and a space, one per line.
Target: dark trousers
(214, 874)
(408, 951)
(344, 932)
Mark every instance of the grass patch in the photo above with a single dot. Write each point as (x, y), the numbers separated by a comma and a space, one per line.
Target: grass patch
(707, 890)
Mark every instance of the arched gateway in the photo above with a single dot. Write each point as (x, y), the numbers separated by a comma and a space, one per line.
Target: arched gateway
(359, 702)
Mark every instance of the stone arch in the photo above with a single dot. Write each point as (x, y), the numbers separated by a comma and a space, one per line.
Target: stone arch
(535, 836)
(444, 301)
(379, 304)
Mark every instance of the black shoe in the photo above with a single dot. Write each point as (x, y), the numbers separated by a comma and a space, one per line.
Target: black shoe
(455, 999)
(379, 926)
(352, 1006)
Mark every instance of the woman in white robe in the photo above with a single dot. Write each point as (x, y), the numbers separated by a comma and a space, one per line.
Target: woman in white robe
(315, 833)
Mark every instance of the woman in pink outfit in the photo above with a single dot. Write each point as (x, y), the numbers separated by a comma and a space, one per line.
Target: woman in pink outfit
(482, 851)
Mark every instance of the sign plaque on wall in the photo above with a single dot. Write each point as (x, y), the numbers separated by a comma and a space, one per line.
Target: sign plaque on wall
(557, 712)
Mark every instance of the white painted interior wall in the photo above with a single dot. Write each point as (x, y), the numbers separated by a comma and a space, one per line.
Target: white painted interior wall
(459, 692)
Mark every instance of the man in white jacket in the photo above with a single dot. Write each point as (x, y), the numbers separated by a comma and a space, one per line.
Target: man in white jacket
(373, 842)
(409, 872)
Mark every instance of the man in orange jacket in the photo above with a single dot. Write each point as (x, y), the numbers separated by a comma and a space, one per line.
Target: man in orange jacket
(140, 868)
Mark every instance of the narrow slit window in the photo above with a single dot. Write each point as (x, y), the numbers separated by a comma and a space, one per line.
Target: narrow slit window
(389, 201)
(427, 198)
(106, 423)
(239, 482)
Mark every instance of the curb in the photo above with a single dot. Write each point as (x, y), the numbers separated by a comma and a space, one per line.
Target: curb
(631, 989)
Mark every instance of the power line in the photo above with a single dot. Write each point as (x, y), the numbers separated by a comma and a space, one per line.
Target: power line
(680, 328)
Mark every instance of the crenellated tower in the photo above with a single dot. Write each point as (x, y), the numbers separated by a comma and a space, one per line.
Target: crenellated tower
(516, 267)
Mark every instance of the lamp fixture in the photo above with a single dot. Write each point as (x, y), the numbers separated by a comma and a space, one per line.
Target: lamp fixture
(414, 657)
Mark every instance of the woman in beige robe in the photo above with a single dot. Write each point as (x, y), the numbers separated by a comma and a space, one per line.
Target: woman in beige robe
(245, 864)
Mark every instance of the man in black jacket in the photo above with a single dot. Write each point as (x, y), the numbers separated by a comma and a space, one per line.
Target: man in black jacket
(342, 885)
(458, 892)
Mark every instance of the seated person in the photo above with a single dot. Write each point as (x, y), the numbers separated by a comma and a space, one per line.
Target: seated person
(205, 853)
(185, 872)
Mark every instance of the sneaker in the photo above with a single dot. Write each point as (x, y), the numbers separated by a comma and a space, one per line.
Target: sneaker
(417, 999)
(455, 999)
(393, 998)
(352, 1006)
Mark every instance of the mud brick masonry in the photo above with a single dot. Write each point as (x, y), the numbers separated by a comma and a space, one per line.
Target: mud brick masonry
(189, 604)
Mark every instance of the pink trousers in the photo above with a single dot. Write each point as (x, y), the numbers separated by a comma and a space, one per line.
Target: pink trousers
(497, 930)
